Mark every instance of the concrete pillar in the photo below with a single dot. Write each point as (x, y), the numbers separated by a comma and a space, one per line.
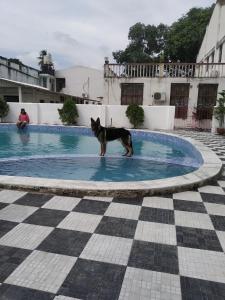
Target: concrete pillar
(20, 94)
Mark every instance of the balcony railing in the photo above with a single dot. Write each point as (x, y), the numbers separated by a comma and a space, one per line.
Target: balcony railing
(163, 70)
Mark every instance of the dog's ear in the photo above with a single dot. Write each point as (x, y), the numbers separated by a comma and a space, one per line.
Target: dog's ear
(92, 121)
(98, 121)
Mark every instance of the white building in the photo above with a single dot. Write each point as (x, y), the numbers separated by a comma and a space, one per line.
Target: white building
(81, 81)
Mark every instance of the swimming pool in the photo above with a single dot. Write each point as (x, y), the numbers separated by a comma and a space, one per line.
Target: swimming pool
(70, 153)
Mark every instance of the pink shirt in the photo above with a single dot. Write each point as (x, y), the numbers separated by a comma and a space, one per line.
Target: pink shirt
(24, 118)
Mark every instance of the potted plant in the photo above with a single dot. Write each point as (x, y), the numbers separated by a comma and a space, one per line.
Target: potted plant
(4, 108)
(219, 112)
(68, 114)
(135, 114)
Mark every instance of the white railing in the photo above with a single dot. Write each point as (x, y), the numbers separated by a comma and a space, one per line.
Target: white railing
(172, 70)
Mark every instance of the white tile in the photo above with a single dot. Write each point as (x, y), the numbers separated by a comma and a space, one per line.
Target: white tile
(42, 271)
(143, 284)
(191, 219)
(202, 264)
(215, 209)
(222, 182)
(211, 189)
(221, 237)
(16, 213)
(188, 196)
(156, 233)
(65, 298)
(104, 199)
(109, 249)
(126, 211)
(26, 236)
(158, 202)
(8, 196)
(62, 203)
(80, 222)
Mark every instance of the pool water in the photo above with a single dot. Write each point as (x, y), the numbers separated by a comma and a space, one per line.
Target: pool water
(72, 155)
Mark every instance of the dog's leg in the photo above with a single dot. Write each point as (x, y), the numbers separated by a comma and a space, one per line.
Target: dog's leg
(104, 149)
(101, 153)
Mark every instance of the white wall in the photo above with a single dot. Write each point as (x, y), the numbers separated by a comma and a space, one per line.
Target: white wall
(112, 87)
(156, 117)
(77, 81)
(215, 32)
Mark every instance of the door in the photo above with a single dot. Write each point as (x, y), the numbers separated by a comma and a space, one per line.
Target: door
(207, 95)
(179, 98)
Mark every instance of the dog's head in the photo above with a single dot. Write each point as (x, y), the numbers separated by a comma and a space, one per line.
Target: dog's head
(95, 124)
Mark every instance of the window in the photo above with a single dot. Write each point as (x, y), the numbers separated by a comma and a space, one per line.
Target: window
(132, 93)
(60, 84)
(220, 53)
(9, 98)
(213, 56)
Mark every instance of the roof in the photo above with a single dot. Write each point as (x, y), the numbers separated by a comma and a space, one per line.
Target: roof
(25, 84)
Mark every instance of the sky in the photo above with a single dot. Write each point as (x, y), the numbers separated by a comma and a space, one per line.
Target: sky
(79, 32)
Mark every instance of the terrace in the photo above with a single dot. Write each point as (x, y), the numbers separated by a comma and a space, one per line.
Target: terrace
(165, 70)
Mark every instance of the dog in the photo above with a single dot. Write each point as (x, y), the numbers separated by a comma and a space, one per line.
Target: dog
(107, 134)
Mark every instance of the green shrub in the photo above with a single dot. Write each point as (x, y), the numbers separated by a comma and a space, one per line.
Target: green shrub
(135, 114)
(68, 114)
(4, 108)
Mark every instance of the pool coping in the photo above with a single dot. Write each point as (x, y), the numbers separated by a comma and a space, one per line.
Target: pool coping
(209, 170)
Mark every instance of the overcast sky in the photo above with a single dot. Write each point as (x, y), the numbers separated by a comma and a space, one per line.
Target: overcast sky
(79, 32)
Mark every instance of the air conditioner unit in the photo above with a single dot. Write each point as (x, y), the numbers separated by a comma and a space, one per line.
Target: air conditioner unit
(159, 96)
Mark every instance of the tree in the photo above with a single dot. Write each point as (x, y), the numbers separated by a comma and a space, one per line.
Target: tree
(68, 114)
(4, 108)
(146, 44)
(185, 36)
(135, 114)
(181, 41)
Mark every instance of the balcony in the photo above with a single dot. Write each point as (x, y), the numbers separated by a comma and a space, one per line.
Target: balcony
(165, 70)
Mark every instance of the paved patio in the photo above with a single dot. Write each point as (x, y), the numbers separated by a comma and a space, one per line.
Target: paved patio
(64, 248)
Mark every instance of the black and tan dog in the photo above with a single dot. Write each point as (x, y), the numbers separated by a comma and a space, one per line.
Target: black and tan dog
(105, 135)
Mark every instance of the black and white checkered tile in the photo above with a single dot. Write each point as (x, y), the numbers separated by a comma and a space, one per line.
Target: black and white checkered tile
(65, 248)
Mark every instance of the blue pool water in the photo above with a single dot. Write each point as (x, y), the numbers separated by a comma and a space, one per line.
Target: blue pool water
(53, 152)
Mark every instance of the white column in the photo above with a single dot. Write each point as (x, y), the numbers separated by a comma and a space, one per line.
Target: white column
(20, 94)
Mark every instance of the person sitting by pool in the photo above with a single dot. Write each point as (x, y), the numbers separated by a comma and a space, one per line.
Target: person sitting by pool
(23, 119)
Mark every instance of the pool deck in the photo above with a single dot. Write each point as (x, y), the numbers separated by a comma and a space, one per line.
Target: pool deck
(162, 247)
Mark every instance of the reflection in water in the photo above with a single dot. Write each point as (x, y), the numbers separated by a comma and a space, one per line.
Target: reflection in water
(93, 168)
(24, 136)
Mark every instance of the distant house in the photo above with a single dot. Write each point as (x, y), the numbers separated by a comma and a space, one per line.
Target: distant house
(191, 87)
(21, 83)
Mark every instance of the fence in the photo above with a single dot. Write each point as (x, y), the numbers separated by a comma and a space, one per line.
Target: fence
(156, 117)
(172, 70)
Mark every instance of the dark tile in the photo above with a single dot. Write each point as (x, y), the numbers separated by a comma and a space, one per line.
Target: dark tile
(66, 242)
(189, 206)
(198, 238)
(218, 222)
(198, 289)
(117, 227)
(3, 205)
(130, 200)
(46, 217)
(157, 215)
(213, 198)
(6, 226)
(91, 207)
(155, 257)
(93, 280)
(12, 292)
(10, 258)
(34, 199)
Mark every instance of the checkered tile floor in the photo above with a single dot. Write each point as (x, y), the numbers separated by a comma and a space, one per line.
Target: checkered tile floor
(64, 248)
